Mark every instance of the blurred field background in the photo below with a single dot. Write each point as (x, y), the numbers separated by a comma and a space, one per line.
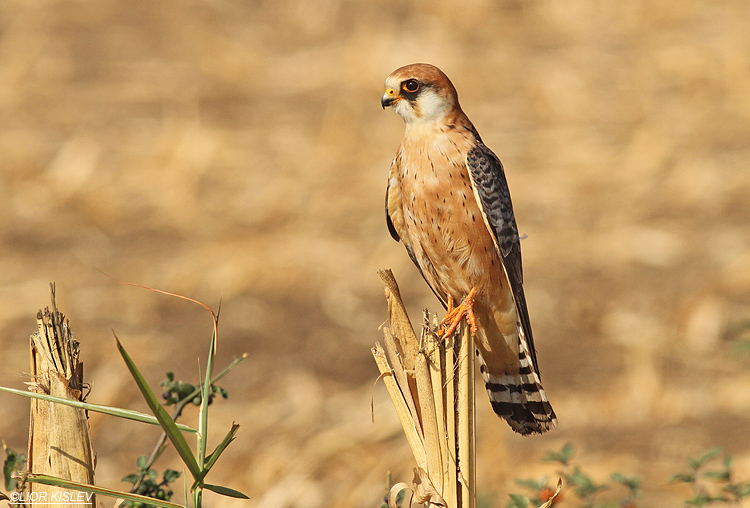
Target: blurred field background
(237, 151)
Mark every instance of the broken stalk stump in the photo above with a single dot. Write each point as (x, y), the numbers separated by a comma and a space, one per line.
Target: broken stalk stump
(431, 384)
(59, 441)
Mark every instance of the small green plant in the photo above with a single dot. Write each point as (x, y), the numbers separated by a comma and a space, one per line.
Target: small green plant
(541, 493)
(175, 392)
(145, 483)
(712, 483)
(146, 490)
(178, 394)
(14, 462)
(712, 486)
(632, 485)
(583, 487)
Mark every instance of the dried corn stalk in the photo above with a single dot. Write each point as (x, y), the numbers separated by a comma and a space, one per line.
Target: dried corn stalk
(59, 441)
(431, 384)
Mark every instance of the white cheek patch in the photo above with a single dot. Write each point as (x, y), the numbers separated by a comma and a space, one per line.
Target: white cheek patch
(404, 109)
(432, 106)
(429, 106)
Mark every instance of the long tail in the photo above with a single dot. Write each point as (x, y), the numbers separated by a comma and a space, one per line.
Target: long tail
(519, 398)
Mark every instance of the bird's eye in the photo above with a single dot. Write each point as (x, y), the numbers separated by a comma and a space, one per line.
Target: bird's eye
(410, 85)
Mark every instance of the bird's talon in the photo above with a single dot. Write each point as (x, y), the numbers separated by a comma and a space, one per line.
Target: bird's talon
(451, 304)
(455, 315)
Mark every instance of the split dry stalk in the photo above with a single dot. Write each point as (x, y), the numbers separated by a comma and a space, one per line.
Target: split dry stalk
(431, 384)
(59, 441)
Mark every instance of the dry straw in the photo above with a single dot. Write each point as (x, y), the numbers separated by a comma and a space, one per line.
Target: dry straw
(59, 441)
(431, 383)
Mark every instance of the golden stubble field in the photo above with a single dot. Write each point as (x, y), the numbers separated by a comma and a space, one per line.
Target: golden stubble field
(236, 151)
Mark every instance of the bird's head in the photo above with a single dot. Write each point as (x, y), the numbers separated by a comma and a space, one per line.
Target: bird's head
(420, 93)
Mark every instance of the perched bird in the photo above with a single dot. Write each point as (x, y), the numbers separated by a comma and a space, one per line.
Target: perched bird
(448, 201)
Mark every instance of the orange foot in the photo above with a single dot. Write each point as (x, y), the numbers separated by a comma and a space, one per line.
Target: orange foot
(454, 316)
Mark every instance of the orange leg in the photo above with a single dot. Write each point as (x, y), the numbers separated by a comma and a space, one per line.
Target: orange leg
(455, 315)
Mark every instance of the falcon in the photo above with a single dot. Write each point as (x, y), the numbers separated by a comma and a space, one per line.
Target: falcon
(448, 201)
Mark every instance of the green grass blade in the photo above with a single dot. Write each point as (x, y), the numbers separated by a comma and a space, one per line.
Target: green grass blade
(225, 491)
(166, 422)
(211, 460)
(68, 484)
(97, 408)
(229, 368)
(205, 391)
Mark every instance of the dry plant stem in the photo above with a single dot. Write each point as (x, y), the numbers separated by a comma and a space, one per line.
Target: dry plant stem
(449, 383)
(402, 411)
(436, 358)
(407, 347)
(59, 441)
(402, 378)
(437, 417)
(400, 324)
(429, 422)
(466, 420)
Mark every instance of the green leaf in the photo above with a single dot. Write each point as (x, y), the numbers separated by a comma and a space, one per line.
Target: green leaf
(211, 459)
(631, 482)
(225, 491)
(141, 462)
(584, 486)
(170, 475)
(167, 424)
(205, 391)
(719, 476)
(742, 490)
(738, 490)
(68, 484)
(695, 463)
(563, 456)
(518, 501)
(97, 408)
(703, 500)
(699, 501)
(682, 478)
(728, 462)
(618, 478)
(229, 368)
(3, 497)
(131, 478)
(531, 483)
(14, 461)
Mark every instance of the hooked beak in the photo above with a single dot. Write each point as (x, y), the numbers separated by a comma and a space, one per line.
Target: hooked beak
(389, 97)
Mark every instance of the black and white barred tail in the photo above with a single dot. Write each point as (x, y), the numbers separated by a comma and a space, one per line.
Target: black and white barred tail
(519, 398)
